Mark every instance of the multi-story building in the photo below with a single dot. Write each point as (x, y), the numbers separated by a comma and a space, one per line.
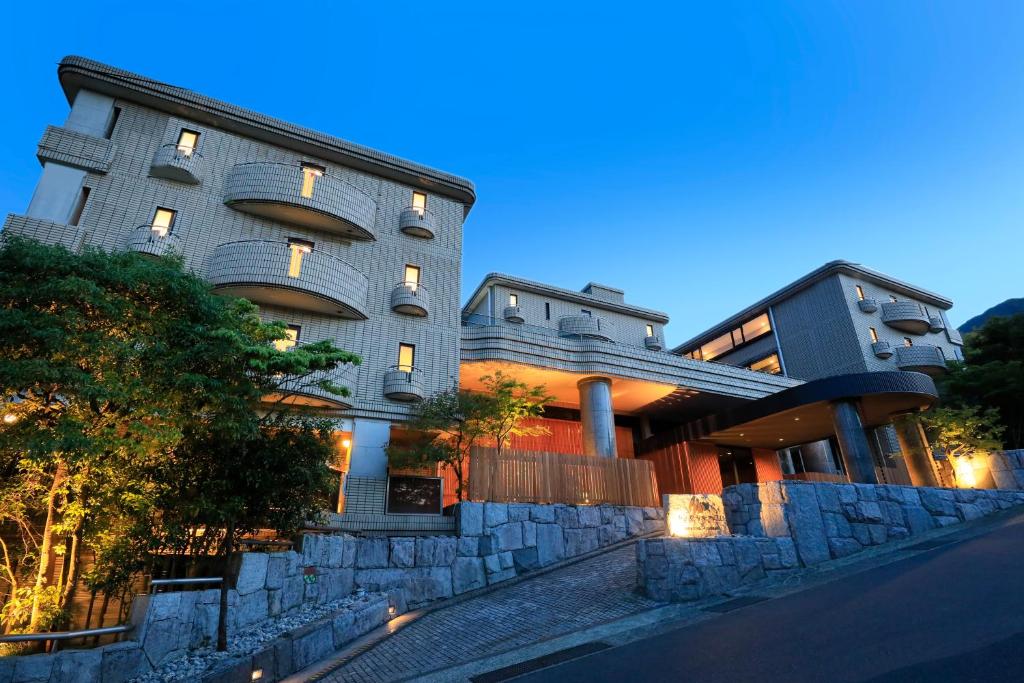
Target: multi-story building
(838, 319)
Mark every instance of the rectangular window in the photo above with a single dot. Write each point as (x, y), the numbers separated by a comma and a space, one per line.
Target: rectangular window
(310, 173)
(757, 327)
(874, 334)
(406, 357)
(860, 293)
(907, 341)
(290, 340)
(419, 202)
(163, 221)
(586, 312)
(547, 310)
(412, 277)
(769, 364)
(76, 215)
(299, 248)
(188, 140)
(112, 122)
(650, 330)
(893, 298)
(513, 299)
(716, 347)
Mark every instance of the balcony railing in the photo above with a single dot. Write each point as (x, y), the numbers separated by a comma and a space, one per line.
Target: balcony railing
(404, 383)
(868, 305)
(417, 222)
(906, 316)
(68, 236)
(179, 163)
(921, 358)
(935, 324)
(513, 314)
(265, 272)
(881, 349)
(410, 298)
(653, 342)
(586, 326)
(308, 391)
(275, 190)
(146, 239)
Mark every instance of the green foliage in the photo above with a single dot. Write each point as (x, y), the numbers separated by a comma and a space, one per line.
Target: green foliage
(963, 431)
(993, 374)
(515, 401)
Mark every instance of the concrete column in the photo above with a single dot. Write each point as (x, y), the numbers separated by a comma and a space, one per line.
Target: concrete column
(598, 417)
(817, 457)
(853, 443)
(916, 452)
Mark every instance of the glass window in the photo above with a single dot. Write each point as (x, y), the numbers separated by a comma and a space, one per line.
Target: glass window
(163, 220)
(893, 298)
(874, 334)
(299, 249)
(547, 310)
(309, 175)
(412, 277)
(650, 330)
(513, 299)
(860, 293)
(769, 364)
(907, 341)
(76, 215)
(716, 347)
(419, 202)
(406, 357)
(586, 312)
(290, 340)
(752, 329)
(187, 141)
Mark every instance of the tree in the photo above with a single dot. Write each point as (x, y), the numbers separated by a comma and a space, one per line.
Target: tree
(112, 366)
(962, 433)
(993, 374)
(515, 401)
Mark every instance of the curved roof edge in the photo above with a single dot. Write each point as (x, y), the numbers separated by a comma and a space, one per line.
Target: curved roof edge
(76, 73)
(830, 268)
(560, 293)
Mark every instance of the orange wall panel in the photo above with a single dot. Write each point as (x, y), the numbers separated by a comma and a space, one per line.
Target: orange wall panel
(705, 475)
(766, 462)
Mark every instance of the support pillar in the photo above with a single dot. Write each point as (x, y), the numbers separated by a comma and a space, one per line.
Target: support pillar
(817, 457)
(853, 443)
(916, 452)
(597, 416)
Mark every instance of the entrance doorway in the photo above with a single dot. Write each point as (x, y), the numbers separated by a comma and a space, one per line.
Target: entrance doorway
(736, 465)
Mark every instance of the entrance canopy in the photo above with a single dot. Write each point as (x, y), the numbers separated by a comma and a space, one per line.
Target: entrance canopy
(802, 414)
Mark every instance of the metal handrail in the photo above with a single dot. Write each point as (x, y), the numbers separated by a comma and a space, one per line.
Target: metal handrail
(181, 155)
(58, 636)
(407, 369)
(156, 583)
(412, 287)
(150, 227)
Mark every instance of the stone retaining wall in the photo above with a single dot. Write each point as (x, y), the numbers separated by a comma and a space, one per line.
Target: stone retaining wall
(1007, 469)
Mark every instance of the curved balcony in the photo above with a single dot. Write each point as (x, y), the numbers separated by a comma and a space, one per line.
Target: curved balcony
(921, 358)
(653, 343)
(181, 164)
(868, 305)
(513, 314)
(882, 349)
(403, 384)
(416, 222)
(307, 392)
(145, 240)
(274, 190)
(935, 324)
(905, 316)
(585, 326)
(410, 298)
(259, 271)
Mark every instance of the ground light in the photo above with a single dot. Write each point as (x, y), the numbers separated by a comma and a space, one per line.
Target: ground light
(965, 475)
(679, 522)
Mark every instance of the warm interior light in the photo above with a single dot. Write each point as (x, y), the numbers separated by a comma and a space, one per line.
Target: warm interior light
(965, 477)
(10, 418)
(309, 176)
(679, 522)
(347, 443)
(392, 610)
(257, 674)
(295, 262)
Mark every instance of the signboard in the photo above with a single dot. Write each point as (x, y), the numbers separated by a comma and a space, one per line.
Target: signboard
(408, 495)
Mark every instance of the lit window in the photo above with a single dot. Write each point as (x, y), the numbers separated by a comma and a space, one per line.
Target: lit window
(76, 215)
(290, 340)
(419, 202)
(406, 357)
(650, 330)
(309, 175)
(907, 341)
(412, 277)
(716, 347)
(860, 293)
(752, 329)
(893, 298)
(874, 334)
(513, 299)
(187, 141)
(769, 364)
(163, 219)
(299, 248)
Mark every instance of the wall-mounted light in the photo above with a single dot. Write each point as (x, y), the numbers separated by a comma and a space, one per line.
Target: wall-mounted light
(257, 674)
(392, 610)
(346, 443)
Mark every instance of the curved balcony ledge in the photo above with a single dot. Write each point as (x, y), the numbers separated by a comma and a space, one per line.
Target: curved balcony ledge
(173, 162)
(403, 384)
(274, 190)
(653, 343)
(416, 223)
(513, 314)
(882, 349)
(258, 270)
(921, 358)
(145, 240)
(905, 316)
(68, 236)
(935, 324)
(410, 298)
(868, 305)
(307, 392)
(585, 326)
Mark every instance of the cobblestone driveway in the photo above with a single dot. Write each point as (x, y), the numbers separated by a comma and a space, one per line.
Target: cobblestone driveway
(578, 596)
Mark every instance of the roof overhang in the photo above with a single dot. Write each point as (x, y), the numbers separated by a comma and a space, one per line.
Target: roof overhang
(803, 414)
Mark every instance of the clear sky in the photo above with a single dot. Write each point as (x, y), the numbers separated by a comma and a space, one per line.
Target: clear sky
(698, 156)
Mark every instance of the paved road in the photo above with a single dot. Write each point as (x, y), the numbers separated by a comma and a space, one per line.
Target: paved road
(565, 600)
(954, 613)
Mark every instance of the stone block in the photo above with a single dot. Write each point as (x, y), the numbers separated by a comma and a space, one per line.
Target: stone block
(866, 491)
(343, 628)
(653, 525)
(372, 553)
(847, 493)
(335, 553)
(580, 541)
(33, 668)
(470, 517)
(279, 566)
(250, 570)
(919, 520)
(589, 516)
(545, 514)
(492, 564)
(634, 521)
(861, 533)
(726, 552)
(204, 624)
(938, 501)
(251, 609)
(841, 547)
(828, 498)
(836, 525)
(122, 662)
(74, 666)
(805, 522)
(568, 517)
(653, 513)
(969, 511)
(529, 534)
(705, 554)
(878, 533)
(503, 575)
(425, 550)
(609, 534)
(525, 560)
(403, 552)
(507, 536)
(292, 592)
(445, 551)
(468, 574)
(265, 662)
(313, 645)
(429, 584)
(506, 560)
(869, 512)
(167, 639)
(338, 582)
(312, 550)
(468, 546)
(495, 514)
(787, 553)
(519, 512)
(348, 558)
(550, 544)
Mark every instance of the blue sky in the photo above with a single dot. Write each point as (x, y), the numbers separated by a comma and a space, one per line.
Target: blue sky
(696, 155)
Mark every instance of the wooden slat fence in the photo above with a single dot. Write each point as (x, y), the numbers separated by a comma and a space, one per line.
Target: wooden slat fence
(540, 477)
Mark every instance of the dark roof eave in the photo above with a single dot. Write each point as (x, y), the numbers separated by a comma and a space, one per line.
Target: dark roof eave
(76, 73)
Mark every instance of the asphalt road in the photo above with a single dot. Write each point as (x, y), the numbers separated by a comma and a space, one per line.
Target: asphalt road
(955, 613)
